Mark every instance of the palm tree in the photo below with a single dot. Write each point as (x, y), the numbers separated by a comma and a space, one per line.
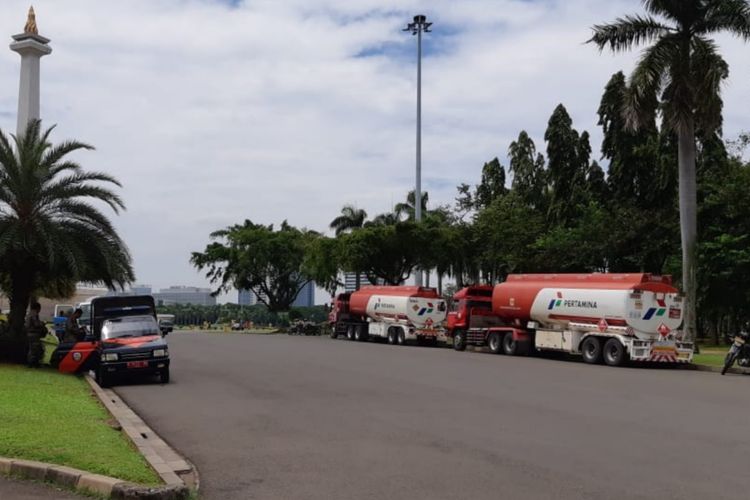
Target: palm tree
(50, 233)
(409, 208)
(351, 219)
(684, 69)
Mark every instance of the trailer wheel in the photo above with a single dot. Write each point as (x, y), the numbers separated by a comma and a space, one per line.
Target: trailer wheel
(615, 353)
(350, 332)
(360, 334)
(459, 340)
(392, 336)
(495, 343)
(510, 346)
(401, 337)
(592, 350)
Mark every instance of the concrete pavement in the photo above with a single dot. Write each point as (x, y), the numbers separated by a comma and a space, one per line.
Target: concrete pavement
(312, 418)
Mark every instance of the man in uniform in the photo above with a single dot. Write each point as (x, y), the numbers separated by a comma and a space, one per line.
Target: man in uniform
(35, 332)
(73, 332)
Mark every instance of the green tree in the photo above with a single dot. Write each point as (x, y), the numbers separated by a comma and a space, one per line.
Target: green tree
(51, 233)
(529, 175)
(258, 258)
(492, 185)
(384, 252)
(568, 156)
(322, 263)
(683, 67)
(409, 208)
(351, 219)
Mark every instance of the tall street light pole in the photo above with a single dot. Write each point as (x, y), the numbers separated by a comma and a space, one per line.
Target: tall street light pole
(416, 27)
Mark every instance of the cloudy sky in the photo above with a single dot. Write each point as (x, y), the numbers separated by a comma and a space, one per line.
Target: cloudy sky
(214, 111)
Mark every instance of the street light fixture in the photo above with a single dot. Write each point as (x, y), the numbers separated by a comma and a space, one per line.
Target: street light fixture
(417, 27)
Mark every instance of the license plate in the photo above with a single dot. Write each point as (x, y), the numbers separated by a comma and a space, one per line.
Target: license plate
(137, 364)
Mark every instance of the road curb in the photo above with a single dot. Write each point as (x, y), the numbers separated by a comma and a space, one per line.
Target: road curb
(177, 472)
(65, 477)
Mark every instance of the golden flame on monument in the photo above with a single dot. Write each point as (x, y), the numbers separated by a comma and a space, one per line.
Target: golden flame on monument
(31, 23)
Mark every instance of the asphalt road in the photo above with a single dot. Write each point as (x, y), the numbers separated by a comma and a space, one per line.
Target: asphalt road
(279, 417)
(15, 489)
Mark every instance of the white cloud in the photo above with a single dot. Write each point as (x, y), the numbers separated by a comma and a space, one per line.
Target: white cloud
(211, 114)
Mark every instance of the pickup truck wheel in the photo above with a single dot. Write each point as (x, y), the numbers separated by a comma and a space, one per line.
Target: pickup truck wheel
(401, 337)
(615, 353)
(102, 378)
(510, 346)
(592, 350)
(459, 340)
(495, 343)
(164, 376)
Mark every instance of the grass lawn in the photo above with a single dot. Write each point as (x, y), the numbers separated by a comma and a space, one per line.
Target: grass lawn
(55, 418)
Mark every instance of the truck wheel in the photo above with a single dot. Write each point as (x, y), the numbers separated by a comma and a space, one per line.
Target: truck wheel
(510, 346)
(334, 332)
(495, 343)
(164, 376)
(401, 337)
(392, 336)
(360, 335)
(102, 378)
(350, 332)
(592, 350)
(615, 353)
(459, 340)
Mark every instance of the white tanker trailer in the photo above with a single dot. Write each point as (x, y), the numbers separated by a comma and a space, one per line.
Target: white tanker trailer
(609, 317)
(397, 314)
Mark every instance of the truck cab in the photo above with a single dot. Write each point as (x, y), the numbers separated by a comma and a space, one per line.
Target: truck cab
(123, 339)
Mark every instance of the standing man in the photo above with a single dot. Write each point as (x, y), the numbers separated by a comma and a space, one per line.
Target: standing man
(35, 332)
(73, 332)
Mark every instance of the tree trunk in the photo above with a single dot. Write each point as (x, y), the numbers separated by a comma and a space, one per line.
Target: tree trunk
(19, 303)
(357, 280)
(688, 225)
(440, 283)
(427, 279)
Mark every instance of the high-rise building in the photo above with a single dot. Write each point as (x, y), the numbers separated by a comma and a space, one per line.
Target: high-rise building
(140, 289)
(350, 281)
(246, 298)
(306, 296)
(185, 295)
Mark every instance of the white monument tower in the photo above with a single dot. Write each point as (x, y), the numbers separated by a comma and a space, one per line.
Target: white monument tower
(31, 46)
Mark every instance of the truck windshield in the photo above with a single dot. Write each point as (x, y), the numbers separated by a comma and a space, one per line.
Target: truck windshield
(133, 326)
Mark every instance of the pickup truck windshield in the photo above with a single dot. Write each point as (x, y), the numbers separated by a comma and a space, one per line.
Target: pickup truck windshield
(133, 326)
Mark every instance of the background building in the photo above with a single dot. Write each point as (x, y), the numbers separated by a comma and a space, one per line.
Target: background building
(306, 296)
(246, 298)
(185, 295)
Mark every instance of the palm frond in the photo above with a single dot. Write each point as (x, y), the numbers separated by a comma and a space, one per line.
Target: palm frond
(647, 81)
(732, 16)
(627, 32)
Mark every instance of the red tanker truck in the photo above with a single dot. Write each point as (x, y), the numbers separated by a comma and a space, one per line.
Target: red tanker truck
(610, 318)
(397, 314)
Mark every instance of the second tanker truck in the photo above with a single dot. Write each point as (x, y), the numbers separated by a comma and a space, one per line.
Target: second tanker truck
(397, 314)
(610, 318)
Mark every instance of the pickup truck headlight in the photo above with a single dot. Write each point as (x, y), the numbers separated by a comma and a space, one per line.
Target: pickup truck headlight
(160, 353)
(110, 356)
